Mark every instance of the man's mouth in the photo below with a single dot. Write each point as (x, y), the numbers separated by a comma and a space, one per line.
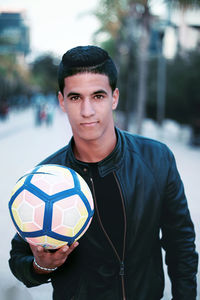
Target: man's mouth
(89, 124)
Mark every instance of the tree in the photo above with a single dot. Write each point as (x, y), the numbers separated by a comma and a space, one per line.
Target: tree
(128, 23)
(118, 20)
(14, 80)
(44, 73)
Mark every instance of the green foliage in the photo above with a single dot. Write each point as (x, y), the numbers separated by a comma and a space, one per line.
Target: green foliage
(44, 73)
(19, 81)
(110, 14)
(14, 79)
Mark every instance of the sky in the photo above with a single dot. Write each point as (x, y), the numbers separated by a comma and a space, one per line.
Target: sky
(56, 26)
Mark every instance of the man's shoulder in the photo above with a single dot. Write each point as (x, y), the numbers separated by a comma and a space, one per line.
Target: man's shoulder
(58, 157)
(150, 153)
(139, 142)
(147, 148)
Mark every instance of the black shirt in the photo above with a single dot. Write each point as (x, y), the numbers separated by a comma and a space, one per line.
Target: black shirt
(109, 205)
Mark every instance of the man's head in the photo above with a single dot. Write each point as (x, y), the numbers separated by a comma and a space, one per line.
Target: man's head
(87, 59)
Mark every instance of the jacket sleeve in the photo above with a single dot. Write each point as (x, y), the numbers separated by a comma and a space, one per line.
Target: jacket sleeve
(21, 263)
(178, 237)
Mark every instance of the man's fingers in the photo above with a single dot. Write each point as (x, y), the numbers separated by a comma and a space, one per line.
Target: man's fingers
(67, 249)
(58, 257)
(37, 250)
(73, 246)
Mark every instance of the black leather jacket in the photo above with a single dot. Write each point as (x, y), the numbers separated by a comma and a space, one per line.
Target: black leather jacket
(156, 214)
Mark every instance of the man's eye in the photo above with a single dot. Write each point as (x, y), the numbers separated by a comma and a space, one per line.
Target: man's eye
(98, 97)
(74, 98)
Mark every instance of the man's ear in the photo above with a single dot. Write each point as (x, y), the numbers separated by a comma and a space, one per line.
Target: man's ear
(61, 101)
(115, 98)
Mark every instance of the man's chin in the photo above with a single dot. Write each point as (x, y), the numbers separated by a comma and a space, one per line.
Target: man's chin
(89, 138)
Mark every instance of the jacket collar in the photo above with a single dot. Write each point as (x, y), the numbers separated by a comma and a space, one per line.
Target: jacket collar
(111, 163)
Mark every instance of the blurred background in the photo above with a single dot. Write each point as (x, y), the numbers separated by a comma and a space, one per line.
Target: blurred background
(156, 47)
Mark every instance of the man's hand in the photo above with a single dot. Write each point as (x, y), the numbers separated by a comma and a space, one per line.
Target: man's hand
(48, 259)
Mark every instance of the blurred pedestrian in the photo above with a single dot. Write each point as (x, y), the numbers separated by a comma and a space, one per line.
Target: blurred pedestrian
(3, 110)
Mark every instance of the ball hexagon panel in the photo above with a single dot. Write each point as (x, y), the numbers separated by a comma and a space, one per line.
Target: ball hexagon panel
(69, 215)
(28, 211)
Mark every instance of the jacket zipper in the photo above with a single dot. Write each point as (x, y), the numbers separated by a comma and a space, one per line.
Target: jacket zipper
(121, 261)
(124, 241)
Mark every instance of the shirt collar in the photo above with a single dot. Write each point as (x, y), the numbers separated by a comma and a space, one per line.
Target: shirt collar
(110, 163)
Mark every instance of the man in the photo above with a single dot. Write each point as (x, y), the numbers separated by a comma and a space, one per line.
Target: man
(137, 191)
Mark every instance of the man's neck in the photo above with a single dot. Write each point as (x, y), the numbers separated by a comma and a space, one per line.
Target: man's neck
(94, 151)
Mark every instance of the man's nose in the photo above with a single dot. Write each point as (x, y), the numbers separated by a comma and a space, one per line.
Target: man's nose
(87, 108)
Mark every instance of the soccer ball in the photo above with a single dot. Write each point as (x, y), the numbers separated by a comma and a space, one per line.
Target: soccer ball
(51, 205)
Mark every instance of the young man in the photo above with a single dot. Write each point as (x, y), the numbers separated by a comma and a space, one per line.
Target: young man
(137, 191)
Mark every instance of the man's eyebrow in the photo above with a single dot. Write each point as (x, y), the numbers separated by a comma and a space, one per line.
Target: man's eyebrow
(100, 92)
(73, 94)
(94, 93)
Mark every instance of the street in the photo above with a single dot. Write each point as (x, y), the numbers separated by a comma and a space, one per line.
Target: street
(23, 145)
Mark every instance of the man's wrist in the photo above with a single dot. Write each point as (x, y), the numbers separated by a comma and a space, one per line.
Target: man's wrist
(42, 270)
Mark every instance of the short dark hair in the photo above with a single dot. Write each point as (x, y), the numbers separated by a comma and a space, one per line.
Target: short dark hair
(87, 59)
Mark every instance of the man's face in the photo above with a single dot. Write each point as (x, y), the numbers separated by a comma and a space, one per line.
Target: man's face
(89, 101)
